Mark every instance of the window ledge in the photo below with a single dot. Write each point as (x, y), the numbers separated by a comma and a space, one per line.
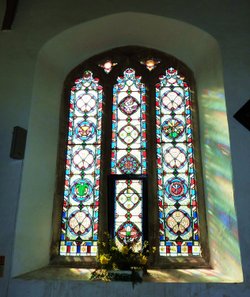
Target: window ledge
(154, 276)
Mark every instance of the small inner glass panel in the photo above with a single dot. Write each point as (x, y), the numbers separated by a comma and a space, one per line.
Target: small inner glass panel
(128, 213)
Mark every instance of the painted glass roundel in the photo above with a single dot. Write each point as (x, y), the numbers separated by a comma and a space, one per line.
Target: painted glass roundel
(178, 222)
(173, 128)
(82, 190)
(85, 131)
(128, 134)
(176, 188)
(80, 222)
(128, 232)
(86, 103)
(83, 159)
(175, 157)
(128, 105)
(128, 164)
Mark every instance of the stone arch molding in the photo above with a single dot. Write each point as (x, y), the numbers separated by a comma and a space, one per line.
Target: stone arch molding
(62, 53)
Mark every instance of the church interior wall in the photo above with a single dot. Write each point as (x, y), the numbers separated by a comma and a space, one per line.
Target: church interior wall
(30, 71)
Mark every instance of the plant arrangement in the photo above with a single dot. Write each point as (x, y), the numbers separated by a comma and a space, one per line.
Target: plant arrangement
(125, 263)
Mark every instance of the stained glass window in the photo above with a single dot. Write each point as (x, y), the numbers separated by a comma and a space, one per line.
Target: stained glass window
(177, 196)
(128, 155)
(81, 191)
(142, 157)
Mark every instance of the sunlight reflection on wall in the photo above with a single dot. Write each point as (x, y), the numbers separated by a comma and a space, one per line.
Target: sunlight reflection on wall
(221, 216)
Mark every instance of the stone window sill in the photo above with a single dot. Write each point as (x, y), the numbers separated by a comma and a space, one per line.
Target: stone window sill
(155, 276)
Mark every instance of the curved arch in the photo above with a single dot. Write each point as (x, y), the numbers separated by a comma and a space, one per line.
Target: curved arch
(66, 50)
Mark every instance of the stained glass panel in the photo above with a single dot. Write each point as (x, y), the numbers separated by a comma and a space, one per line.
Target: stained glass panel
(128, 155)
(129, 125)
(177, 196)
(81, 192)
(128, 212)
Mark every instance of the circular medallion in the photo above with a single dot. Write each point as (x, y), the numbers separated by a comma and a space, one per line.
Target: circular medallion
(176, 188)
(172, 128)
(82, 190)
(128, 232)
(128, 164)
(85, 131)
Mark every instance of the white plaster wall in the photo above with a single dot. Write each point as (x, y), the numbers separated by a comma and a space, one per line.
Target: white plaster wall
(36, 23)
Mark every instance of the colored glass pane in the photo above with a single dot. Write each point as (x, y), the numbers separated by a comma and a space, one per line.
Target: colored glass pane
(177, 196)
(81, 192)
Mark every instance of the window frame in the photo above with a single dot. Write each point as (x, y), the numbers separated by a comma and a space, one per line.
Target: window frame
(128, 56)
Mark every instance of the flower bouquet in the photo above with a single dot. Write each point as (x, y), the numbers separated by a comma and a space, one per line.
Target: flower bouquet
(125, 262)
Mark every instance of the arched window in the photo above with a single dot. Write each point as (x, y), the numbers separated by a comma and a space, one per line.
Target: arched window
(132, 157)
